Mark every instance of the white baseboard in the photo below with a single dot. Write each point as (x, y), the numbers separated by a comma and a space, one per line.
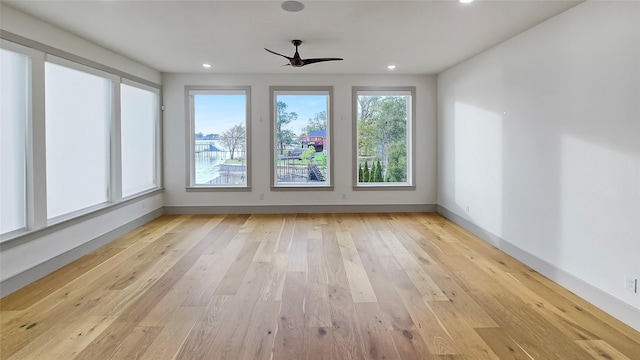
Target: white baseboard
(297, 209)
(617, 308)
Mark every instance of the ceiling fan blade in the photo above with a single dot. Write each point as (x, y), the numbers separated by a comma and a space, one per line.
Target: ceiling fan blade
(275, 53)
(316, 60)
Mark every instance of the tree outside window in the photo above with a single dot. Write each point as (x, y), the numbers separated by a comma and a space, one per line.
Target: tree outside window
(383, 131)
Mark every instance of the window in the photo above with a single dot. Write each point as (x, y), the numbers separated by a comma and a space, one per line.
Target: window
(76, 138)
(301, 137)
(139, 137)
(219, 137)
(383, 128)
(15, 104)
(78, 118)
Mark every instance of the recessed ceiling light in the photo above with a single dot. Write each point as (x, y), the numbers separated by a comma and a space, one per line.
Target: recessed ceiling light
(465, 1)
(206, 66)
(391, 67)
(292, 6)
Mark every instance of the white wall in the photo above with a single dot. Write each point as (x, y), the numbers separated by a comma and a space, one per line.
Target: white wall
(174, 142)
(26, 258)
(540, 138)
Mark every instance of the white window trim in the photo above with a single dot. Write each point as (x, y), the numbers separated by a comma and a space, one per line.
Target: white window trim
(300, 90)
(190, 91)
(411, 164)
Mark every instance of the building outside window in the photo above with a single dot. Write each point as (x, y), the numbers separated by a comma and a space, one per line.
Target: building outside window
(301, 137)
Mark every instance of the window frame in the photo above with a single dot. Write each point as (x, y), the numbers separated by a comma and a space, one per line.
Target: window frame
(190, 91)
(33, 58)
(300, 90)
(157, 165)
(113, 176)
(411, 131)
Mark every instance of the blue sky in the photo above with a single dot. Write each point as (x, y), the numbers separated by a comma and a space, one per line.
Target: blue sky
(217, 113)
(306, 106)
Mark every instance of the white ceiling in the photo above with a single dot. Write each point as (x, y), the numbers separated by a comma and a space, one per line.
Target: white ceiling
(420, 37)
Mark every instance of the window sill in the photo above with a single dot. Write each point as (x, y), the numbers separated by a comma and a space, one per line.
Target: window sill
(302, 188)
(218, 188)
(383, 187)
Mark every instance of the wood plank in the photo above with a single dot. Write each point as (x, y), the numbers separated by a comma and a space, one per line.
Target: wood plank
(578, 314)
(65, 340)
(176, 329)
(206, 328)
(405, 335)
(317, 311)
(318, 343)
(286, 233)
(136, 343)
(298, 252)
(345, 333)
(346, 337)
(238, 269)
(376, 334)
(425, 285)
(429, 327)
(537, 337)
(206, 282)
(289, 342)
(229, 341)
(599, 349)
(272, 291)
(502, 344)
(261, 335)
(361, 290)
(464, 335)
(268, 234)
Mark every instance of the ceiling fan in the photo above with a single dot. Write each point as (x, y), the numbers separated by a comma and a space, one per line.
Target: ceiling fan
(297, 61)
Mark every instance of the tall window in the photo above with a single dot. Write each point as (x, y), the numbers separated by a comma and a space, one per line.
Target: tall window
(301, 136)
(383, 127)
(78, 113)
(219, 131)
(14, 111)
(139, 138)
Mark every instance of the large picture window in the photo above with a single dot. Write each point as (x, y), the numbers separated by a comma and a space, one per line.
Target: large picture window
(301, 137)
(219, 133)
(383, 128)
(139, 137)
(14, 111)
(77, 137)
(78, 113)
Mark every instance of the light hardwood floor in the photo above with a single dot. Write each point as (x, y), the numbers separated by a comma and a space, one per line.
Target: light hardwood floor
(327, 286)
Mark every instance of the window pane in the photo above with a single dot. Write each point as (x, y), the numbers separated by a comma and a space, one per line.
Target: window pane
(139, 112)
(220, 139)
(383, 137)
(14, 90)
(78, 111)
(301, 130)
